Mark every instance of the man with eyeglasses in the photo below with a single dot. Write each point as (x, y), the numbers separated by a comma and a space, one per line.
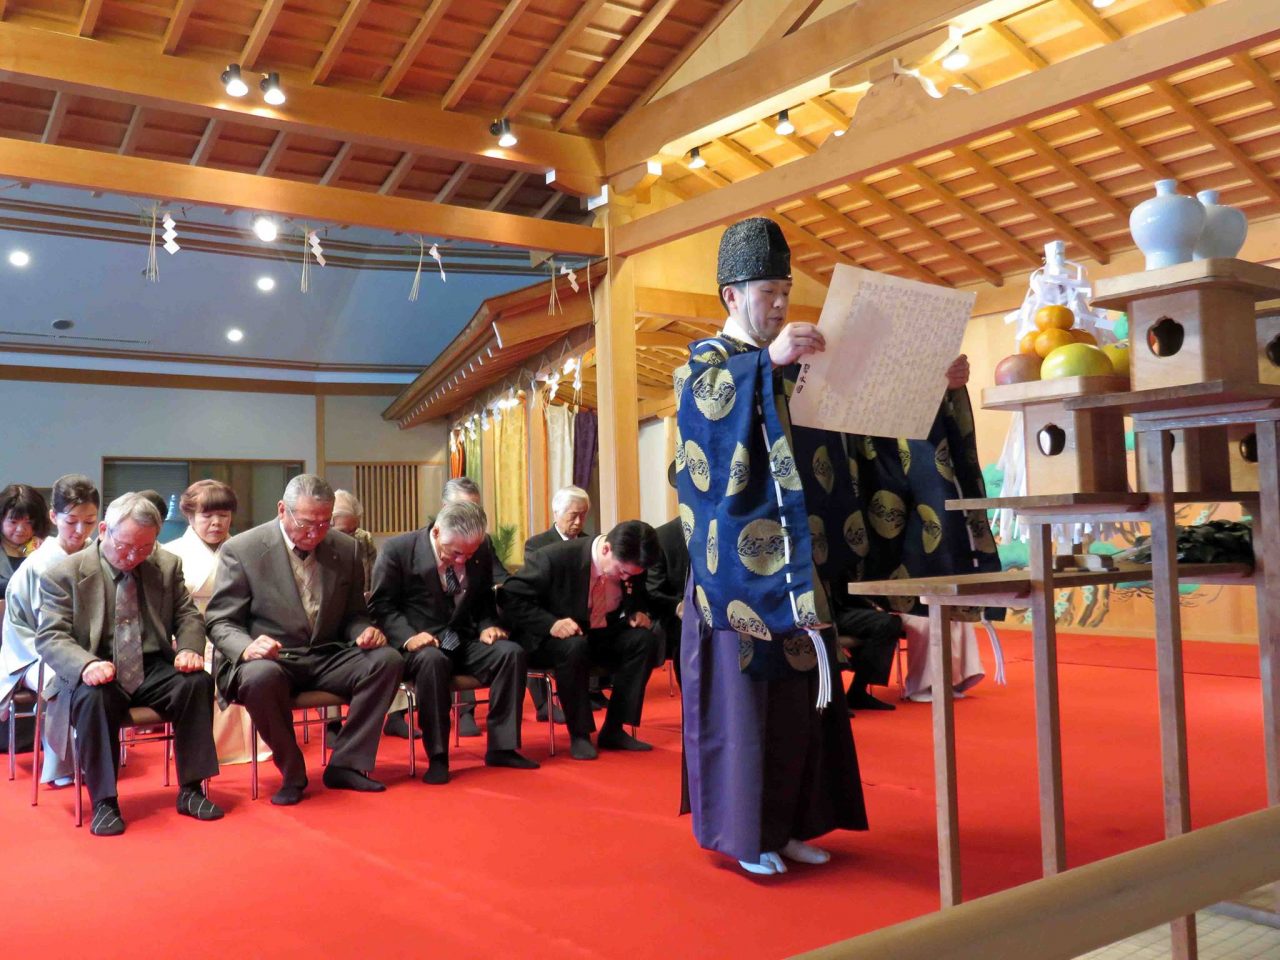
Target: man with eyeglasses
(288, 614)
(120, 630)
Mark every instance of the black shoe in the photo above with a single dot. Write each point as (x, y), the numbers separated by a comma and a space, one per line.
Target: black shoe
(107, 821)
(289, 795)
(580, 748)
(193, 803)
(861, 699)
(437, 771)
(344, 778)
(509, 758)
(467, 726)
(620, 740)
(331, 731)
(397, 725)
(598, 700)
(542, 714)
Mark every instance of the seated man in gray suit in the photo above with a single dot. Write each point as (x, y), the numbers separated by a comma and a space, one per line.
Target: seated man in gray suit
(288, 614)
(433, 594)
(110, 616)
(569, 509)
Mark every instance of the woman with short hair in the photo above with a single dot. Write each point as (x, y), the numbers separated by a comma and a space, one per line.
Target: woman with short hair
(24, 523)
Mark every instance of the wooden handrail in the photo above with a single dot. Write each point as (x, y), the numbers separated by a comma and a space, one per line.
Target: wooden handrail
(1063, 916)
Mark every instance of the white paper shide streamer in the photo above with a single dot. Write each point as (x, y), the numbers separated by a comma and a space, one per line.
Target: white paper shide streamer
(170, 234)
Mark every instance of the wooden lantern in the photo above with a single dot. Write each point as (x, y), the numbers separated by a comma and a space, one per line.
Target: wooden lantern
(1066, 451)
(1192, 322)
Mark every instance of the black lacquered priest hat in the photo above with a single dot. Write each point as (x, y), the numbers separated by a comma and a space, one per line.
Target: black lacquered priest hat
(753, 249)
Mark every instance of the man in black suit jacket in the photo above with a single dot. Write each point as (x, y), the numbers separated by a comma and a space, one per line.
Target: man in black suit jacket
(569, 509)
(583, 603)
(433, 595)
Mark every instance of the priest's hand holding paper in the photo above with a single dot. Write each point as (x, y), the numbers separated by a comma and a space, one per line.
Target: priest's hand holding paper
(958, 373)
(795, 342)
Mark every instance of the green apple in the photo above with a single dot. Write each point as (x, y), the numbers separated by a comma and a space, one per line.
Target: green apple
(1076, 360)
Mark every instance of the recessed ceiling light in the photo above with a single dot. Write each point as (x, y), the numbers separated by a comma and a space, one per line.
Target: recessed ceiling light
(266, 284)
(19, 258)
(62, 324)
(235, 335)
(265, 228)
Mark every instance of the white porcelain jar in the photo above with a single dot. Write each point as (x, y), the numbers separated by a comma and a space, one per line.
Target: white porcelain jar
(1167, 227)
(1224, 228)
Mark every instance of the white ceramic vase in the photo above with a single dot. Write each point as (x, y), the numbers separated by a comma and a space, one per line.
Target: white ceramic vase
(1224, 228)
(1167, 227)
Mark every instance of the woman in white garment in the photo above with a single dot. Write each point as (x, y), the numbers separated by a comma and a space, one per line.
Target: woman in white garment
(75, 517)
(209, 507)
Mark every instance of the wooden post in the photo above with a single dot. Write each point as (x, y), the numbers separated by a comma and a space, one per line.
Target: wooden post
(669, 431)
(944, 755)
(1266, 553)
(616, 384)
(1053, 847)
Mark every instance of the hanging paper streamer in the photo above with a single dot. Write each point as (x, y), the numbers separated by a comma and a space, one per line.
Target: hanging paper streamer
(434, 253)
(316, 250)
(170, 234)
(573, 277)
(417, 274)
(152, 272)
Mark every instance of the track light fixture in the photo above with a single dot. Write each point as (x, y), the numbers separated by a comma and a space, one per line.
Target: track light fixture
(234, 83)
(695, 159)
(271, 89)
(502, 130)
(784, 126)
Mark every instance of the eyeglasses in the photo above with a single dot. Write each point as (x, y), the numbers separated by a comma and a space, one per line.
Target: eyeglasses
(308, 526)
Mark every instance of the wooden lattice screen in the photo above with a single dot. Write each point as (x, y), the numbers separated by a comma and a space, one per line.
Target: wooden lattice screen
(390, 493)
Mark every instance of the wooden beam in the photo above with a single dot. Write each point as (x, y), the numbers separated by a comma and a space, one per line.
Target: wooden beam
(177, 23)
(688, 50)
(571, 32)
(773, 77)
(397, 174)
(789, 19)
(337, 165)
(662, 340)
(413, 46)
(550, 206)
(341, 34)
(699, 307)
(131, 133)
(633, 41)
(1128, 146)
(139, 176)
(1177, 44)
(57, 114)
(1082, 181)
(537, 324)
(451, 185)
(488, 46)
(267, 167)
(208, 140)
(89, 15)
(123, 74)
(503, 196)
(258, 35)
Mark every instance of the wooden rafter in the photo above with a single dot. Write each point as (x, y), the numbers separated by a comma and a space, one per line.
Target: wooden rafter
(341, 34)
(866, 236)
(208, 140)
(1128, 146)
(427, 25)
(132, 132)
(503, 196)
(258, 35)
(177, 23)
(550, 206)
(337, 165)
(482, 54)
(632, 42)
(397, 174)
(89, 15)
(269, 163)
(688, 50)
(57, 114)
(1070, 171)
(567, 36)
(789, 19)
(446, 192)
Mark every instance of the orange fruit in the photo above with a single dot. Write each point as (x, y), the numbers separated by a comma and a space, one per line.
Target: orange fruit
(1055, 316)
(1051, 339)
(1028, 343)
(1084, 336)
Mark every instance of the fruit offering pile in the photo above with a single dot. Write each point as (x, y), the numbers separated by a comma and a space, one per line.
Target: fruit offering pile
(1057, 348)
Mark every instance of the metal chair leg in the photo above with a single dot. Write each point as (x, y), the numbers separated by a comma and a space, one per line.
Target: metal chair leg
(551, 711)
(411, 715)
(324, 732)
(75, 765)
(168, 750)
(38, 746)
(253, 759)
(13, 740)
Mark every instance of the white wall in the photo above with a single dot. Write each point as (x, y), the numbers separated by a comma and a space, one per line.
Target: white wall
(653, 472)
(354, 430)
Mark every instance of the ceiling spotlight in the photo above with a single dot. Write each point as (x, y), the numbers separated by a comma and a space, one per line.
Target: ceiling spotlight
(231, 79)
(695, 159)
(235, 335)
(265, 228)
(266, 284)
(957, 59)
(838, 132)
(502, 130)
(785, 127)
(19, 258)
(1103, 4)
(271, 90)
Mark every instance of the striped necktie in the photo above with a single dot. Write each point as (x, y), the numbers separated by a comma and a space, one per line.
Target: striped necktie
(128, 635)
(449, 637)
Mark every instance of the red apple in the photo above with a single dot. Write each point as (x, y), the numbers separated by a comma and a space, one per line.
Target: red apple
(1018, 368)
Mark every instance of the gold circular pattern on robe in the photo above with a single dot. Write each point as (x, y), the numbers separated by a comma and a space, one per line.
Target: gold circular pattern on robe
(888, 514)
(823, 471)
(901, 604)
(783, 465)
(713, 548)
(868, 448)
(746, 651)
(762, 547)
(818, 539)
(855, 533)
(713, 353)
(714, 393)
(686, 522)
(745, 620)
(679, 456)
(699, 468)
(942, 461)
(806, 610)
(980, 531)
(739, 470)
(678, 378)
(798, 649)
(931, 528)
(853, 477)
(700, 597)
(904, 454)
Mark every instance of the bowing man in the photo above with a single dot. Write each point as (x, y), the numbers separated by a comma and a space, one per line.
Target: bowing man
(110, 619)
(433, 595)
(288, 614)
(582, 604)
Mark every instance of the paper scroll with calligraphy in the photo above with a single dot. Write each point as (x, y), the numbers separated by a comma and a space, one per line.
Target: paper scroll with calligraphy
(889, 343)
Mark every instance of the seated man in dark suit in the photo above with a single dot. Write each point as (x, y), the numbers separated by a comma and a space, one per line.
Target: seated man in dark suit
(874, 635)
(665, 584)
(288, 614)
(108, 626)
(433, 595)
(581, 604)
(569, 509)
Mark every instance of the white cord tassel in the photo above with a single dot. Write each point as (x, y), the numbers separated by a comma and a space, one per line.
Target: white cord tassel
(417, 274)
(997, 652)
(824, 669)
(152, 272)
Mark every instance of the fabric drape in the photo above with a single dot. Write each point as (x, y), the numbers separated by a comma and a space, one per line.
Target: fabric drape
(511, 475)
(457, 456)
(471, 461)
(559, 419)
(584, 447)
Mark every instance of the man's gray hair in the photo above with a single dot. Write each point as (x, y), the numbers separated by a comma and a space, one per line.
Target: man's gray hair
(135, 507)
(463, 519)
(566, 497)
(346, 502)
(307, 485)
(460, 490)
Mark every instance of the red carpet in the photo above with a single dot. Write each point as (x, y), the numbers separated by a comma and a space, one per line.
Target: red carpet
(589, 860)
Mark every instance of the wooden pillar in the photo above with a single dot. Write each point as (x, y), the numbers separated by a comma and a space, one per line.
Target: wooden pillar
(944, 755)
(1053, 848)
(619, 410)
(669, 428)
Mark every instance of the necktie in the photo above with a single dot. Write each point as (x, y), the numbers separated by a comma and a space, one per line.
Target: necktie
(599, 616)
(449, 637)
(128, 635)
(301, 554)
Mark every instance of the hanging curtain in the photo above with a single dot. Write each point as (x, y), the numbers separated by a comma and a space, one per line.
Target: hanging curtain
(471, 464)
(584, 447)
(457, 456)
(511, 475)
(559, 447)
